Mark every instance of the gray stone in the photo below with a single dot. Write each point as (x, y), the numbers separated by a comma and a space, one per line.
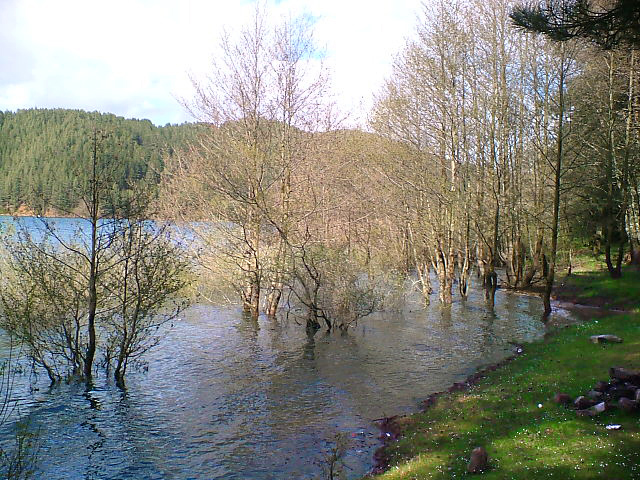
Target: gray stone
(620, 391)
(479, 460)
(595, 395)
(601, 386)
(583, 402)
(592, 411)
(627, 405)
(586, 412)
(606, 339)
(625, 375)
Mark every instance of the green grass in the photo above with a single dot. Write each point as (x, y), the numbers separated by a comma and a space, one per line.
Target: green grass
(598, 288)
(524, 440)
(586, 260)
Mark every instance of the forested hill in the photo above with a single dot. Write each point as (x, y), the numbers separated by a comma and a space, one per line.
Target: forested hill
(45, 153)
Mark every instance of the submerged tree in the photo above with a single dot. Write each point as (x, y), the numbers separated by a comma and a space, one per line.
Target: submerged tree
(259, 109)
(148, 270)
(480, 110)
(64, 293)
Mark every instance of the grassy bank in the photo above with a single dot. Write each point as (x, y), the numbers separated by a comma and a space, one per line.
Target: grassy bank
(510, 412)
(597, 288)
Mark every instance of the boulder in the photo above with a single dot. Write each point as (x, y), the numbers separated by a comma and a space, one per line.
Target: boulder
(582, 402)
(599, 408)
(625, 375)
(619, 391)
(592, 411)
(595, 395)
(562, 398)
(586, 412)
(606, 339)
(627, 405)
(479, 460)
(615, 382)
(601, 386)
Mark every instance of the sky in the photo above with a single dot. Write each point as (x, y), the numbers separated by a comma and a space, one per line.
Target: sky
(134, 57)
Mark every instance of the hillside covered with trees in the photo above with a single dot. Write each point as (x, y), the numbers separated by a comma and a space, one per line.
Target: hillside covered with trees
(45, 153)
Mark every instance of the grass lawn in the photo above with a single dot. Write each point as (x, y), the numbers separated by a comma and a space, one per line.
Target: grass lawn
(511, 413)
(598, 288)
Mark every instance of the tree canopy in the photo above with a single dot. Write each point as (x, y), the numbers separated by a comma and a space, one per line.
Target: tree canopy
(608, 23)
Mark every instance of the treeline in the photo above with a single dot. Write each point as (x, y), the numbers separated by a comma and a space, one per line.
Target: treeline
(45, 154)
(492, 151)
(522, 147)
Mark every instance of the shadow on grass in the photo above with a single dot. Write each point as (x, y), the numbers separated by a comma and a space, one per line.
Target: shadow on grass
(600, 290)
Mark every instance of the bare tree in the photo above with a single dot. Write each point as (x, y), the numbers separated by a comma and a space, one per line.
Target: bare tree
(63, 294)
(260, 105)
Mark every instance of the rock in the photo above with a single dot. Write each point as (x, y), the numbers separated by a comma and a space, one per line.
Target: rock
(627, 405)
(595, 395)
(606, 339)
(600, 407)
(619, 391)
(582, 403)
(562, 398)
(479, 460)
(637, 396)
(592, 411)
(625, 375)
(634, 390)
(615, 382)
(601, 386)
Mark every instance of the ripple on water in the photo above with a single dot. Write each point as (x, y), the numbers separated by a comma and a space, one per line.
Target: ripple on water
(227, 398)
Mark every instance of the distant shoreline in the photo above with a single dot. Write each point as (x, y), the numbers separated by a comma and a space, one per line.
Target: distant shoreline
(25, 211)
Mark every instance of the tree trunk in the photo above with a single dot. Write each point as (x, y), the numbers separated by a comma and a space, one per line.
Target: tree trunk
(93, 265)
(611, 214)
(491, 285)
(546, 299)
(251, 297)
(491, 277)
(273, 300)
(535, 261)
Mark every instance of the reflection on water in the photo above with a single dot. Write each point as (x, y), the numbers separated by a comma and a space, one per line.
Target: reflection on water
(225, 397)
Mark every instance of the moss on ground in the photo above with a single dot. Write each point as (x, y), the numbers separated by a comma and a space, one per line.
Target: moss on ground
(510, 412)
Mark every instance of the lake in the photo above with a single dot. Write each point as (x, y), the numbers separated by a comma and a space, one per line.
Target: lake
(223, 397)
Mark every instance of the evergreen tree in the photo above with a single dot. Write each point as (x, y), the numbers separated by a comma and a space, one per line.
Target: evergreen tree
(606, 23)
(44, 154)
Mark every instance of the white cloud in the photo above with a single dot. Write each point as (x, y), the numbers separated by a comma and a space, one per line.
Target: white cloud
(131, 57)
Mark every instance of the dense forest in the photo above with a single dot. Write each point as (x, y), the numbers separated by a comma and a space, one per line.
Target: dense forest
(44, 154)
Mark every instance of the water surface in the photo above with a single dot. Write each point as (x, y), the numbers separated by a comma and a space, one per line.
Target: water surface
(225, 397)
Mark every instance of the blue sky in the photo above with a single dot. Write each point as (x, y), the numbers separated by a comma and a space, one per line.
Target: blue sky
(133, 57)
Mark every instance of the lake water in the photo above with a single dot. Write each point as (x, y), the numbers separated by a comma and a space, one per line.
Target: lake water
(228, 398)
(72, 230)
